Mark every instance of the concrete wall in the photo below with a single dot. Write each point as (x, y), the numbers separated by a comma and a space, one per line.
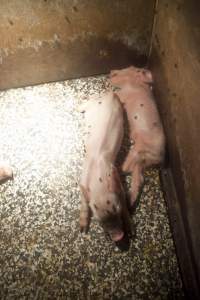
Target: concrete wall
(50, 40)
(175, 61)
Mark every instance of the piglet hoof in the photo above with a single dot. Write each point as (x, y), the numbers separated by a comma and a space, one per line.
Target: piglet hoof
(84, 226)
(6, 173)
(132, 203)
(83, 229)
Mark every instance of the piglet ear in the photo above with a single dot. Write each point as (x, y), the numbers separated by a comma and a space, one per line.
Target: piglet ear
(148, 76)
(114, 182)
(113, 73)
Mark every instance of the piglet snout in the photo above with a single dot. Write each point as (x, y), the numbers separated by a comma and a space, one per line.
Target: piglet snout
(117, 236)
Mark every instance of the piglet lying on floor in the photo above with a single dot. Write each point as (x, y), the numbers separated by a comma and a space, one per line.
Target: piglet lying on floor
(5, 173)
(146, 129)
(102, 192)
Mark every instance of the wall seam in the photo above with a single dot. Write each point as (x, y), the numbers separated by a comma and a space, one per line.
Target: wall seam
(152, 30)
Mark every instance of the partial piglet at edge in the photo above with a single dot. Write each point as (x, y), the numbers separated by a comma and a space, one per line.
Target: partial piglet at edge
(6, 173)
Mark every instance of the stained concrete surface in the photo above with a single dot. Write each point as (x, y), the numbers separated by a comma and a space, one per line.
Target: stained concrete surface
(71, 38)
(42, 253)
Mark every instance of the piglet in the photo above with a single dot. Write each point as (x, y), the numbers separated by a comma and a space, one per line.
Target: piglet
(146, 130)
(5, 173)
(102, 192)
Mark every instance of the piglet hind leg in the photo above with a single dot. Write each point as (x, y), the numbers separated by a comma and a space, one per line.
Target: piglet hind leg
(5, 173)
(85, 213)
(137, 182)
(131, 160)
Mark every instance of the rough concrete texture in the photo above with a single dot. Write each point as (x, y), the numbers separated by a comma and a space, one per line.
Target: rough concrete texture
(42, 253)
(70, 38)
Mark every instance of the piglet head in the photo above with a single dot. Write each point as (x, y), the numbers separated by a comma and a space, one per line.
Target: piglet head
(130, 75)
(111, 220)
(108, 209)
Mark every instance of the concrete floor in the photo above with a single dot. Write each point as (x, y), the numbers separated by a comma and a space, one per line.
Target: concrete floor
(42, 253)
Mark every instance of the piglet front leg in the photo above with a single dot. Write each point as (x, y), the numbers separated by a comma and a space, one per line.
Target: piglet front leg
(85, 214)
(5, 173)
